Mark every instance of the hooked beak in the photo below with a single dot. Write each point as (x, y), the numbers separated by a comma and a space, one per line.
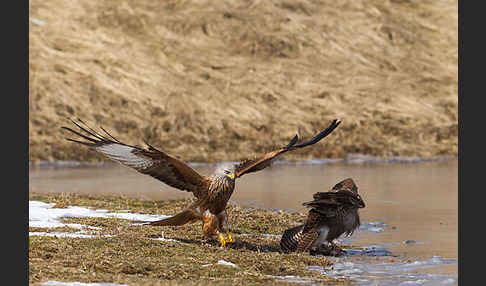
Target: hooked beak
(361, 203)
(231, 176)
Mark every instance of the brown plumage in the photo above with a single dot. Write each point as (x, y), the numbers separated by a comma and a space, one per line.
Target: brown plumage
(212, 193)
(332, 214)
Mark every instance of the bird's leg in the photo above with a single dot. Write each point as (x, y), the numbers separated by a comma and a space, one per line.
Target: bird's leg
(223, 225)
(222, 240)
(230, 238)
(335, 249)
(335, 245)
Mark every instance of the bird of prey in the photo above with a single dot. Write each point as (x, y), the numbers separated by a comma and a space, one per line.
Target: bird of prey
(212, 192)
(331, 214)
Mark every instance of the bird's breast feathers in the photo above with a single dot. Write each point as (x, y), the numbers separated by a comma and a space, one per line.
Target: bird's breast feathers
(220, 190)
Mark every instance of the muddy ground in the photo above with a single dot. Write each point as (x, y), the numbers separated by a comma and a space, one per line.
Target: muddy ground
(222, 80)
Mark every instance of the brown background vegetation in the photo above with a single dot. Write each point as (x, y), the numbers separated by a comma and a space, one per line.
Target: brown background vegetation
(222, 80)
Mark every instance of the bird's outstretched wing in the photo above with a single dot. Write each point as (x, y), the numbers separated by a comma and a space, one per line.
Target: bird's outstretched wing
(150, 161)
(344, 193)
(260, 163)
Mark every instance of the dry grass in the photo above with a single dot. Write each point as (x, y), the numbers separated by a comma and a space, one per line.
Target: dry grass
(131, 256)
(221, 80)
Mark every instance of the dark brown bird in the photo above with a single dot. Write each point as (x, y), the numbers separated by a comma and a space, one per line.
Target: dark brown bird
(332, 214)
(212, 193)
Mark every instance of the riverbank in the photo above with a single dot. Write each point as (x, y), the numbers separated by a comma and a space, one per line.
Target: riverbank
(211, 82)
(92, 247)
(349, 159)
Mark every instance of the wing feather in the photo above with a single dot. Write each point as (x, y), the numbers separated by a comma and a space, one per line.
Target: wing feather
(346, 185)
(309, 232)
(291, 238)
(344, 193)
(260, 163)
(151, 161)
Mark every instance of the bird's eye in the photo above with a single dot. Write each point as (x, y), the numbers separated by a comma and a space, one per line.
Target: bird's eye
(226, 171)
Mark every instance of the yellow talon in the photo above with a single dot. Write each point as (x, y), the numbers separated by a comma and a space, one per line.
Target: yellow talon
(230, 238)
(222, 240)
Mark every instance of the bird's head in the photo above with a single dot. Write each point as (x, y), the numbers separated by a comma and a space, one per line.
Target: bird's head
(226, 169)
(361, 203)
(230, 174)
(348, 185)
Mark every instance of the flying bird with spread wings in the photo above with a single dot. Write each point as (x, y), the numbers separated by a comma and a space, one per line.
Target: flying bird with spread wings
(332, 213)
(212, 192)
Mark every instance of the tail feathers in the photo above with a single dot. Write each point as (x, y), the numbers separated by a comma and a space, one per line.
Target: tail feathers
(181, 218)
(290, 238)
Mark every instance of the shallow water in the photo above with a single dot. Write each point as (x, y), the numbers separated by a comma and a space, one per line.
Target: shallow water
(411, 209)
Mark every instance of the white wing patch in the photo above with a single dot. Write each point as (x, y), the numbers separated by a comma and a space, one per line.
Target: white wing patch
(123, 154)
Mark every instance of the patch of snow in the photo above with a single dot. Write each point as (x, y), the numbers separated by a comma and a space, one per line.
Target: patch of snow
(390, 273)
(223, 262)
(164, 239)
(78, 234)
(290, 278)
(374, 227)
(370, 250)
(43, 215)
(416, 282)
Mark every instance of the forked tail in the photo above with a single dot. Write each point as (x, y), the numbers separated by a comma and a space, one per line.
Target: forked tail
(181, 218)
